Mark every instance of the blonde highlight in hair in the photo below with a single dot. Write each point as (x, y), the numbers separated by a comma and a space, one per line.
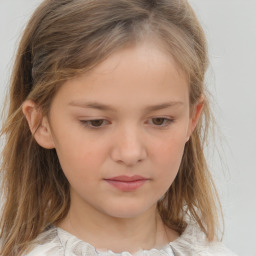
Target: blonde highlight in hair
(63, 39)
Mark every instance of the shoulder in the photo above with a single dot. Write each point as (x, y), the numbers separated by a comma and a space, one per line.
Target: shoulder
(194, 243)
(47, 244)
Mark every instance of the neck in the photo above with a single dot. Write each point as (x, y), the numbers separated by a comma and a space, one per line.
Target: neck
(104, 232)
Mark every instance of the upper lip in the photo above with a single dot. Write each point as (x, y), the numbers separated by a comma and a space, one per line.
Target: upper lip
(124, 178)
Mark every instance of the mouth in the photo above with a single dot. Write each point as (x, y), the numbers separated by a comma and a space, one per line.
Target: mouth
(127, 183)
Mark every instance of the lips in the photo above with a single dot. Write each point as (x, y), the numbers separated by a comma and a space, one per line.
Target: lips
(127, 183)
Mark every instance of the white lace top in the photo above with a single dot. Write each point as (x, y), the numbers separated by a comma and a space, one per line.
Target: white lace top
(192, 242)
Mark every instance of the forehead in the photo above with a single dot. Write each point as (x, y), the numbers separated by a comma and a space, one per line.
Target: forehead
(138, 74)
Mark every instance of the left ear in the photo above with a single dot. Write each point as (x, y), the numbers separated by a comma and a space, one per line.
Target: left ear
(195, 115)
(38, 124)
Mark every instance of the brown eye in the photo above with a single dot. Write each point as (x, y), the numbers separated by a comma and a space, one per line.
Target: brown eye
(96, 123)
(161, 122)
(158, 121)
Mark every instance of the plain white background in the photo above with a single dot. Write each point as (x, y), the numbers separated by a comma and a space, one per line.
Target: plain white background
(230, 26)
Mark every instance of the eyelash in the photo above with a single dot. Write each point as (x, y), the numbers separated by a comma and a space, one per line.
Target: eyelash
(88, 123)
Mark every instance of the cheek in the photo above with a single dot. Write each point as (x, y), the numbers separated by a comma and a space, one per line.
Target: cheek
(81, 158)
(168, 154)
(79, 155)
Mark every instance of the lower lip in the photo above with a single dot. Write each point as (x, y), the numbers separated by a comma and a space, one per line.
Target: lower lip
(126, 186)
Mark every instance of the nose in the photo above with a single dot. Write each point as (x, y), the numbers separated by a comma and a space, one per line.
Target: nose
(128, 147)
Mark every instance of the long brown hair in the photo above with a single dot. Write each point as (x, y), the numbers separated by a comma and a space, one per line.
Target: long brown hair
(63, 39)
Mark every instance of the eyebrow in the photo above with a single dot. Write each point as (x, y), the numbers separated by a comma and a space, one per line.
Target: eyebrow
(100, 106)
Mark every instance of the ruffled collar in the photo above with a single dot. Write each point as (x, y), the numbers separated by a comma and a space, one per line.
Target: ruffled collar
(58, 242)
(78, 247)
(74, 245)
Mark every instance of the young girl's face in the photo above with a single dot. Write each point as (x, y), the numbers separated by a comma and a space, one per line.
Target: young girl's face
(120, 130)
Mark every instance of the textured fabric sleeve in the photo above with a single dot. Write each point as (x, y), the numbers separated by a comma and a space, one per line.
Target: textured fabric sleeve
(47, 244)
(194, 243)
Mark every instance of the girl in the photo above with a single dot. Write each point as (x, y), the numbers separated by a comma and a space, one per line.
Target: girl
(104, 138)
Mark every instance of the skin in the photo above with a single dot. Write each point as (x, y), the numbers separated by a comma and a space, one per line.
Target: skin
(130, 141)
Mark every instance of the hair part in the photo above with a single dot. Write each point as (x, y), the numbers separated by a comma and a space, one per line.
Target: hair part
(65, 38)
